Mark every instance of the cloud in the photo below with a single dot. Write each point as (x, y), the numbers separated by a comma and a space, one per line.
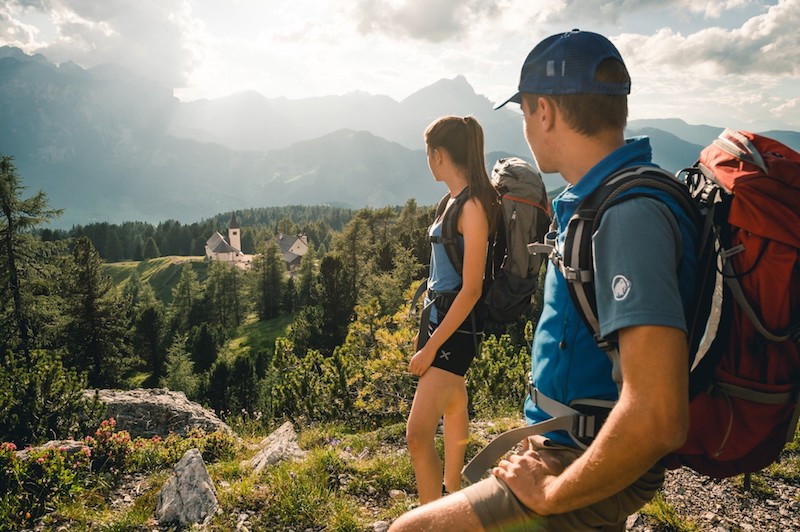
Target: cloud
(612, 11)
(427, 20)
(766, 44)
(149, 38)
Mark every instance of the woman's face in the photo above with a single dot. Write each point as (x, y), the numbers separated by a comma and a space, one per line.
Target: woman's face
(434, 162)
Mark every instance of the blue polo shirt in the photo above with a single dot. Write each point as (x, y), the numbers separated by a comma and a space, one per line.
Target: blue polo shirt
(644, 253)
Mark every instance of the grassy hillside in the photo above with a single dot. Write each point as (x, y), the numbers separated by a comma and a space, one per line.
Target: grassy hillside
(161, 273)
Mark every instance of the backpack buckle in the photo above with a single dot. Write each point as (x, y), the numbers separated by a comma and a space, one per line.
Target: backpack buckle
(603, 343)
(576, 275)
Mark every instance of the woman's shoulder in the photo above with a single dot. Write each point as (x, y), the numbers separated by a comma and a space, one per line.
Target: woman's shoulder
(472, 214)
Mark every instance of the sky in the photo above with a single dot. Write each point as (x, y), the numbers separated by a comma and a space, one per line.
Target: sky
(726, 63)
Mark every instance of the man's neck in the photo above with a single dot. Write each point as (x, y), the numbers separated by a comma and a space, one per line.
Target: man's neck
(581, 153)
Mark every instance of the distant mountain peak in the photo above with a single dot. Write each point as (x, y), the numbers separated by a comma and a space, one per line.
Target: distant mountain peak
(456, 89)
(12, 52)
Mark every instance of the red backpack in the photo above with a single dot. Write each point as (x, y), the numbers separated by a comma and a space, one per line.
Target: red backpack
(745, 335)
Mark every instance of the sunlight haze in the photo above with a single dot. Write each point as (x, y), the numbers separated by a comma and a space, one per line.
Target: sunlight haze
(721, 62)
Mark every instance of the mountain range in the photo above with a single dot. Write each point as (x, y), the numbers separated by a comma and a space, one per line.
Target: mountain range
(108, 146)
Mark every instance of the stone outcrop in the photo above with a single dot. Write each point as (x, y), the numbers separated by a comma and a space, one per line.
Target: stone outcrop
(278, 446)
(188, 497)
(157, 412)
(69, 447)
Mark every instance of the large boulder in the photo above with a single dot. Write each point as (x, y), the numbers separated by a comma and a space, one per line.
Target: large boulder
(149, 412)
(188, 496)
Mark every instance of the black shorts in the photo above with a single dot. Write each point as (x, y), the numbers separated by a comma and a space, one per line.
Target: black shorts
(457, 352)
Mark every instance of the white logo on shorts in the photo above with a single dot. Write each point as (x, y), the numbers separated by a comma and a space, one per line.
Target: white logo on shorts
(445, 354)
(620, 287)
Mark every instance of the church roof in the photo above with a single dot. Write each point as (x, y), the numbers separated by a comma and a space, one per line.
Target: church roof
(218, 244)
(234, 223)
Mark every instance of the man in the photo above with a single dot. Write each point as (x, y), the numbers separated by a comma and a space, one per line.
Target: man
(573, 94)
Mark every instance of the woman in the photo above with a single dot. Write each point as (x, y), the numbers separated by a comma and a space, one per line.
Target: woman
(455, 157)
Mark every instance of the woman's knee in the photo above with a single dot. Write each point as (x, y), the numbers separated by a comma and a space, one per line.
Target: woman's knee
(417, 438)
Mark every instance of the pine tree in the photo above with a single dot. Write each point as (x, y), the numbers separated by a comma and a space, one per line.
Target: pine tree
(150, 250)
(97, 330)
(337, 300)
(203, 347)
(147, 323)
(269, 269)
(113, 246)
(223, 294)
(306, 277)
(186, 297)
(179, 374)
(19, 256)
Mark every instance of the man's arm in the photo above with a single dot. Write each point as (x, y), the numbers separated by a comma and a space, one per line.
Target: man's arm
(650, 420)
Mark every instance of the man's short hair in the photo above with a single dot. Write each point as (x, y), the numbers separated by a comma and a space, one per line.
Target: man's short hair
(589, 114)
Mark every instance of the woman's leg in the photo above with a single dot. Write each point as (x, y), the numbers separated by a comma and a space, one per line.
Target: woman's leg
(433, 396)
(456, 435)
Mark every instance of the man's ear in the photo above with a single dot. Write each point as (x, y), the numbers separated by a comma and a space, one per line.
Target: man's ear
(547, 112)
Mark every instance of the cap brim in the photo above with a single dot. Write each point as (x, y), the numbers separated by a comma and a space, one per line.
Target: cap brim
(517, 98)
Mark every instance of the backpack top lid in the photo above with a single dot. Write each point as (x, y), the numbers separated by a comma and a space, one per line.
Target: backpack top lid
(513, 168)
(758, 171)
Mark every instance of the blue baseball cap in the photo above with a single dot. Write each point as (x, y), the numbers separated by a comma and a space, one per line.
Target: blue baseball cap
(565, 63)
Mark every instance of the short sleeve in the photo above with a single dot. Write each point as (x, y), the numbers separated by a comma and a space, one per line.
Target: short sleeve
(637, 250)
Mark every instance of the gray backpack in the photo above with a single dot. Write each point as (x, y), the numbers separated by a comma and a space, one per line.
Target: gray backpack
(512, 271)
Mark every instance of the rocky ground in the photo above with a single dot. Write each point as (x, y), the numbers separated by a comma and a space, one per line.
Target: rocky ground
(711, 505)
(723, 506)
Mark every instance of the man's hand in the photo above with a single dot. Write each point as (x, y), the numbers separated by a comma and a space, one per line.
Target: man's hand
(528, 475)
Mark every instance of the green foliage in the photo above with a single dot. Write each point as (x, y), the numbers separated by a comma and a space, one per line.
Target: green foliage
(186, 297)
(179, 374)
(19, 255)
(203, 346)
(224, 300)
(41, 399)
(96, 332)
(336, 298)
(269, 270)
(496, 381)
(150, 250)
(666, 517)
(381, 348)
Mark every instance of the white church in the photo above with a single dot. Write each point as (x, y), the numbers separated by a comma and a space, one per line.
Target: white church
(292, 248)
(230, 251)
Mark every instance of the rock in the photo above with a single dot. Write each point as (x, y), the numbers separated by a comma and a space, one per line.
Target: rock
(188, 496)
(69, 447)
(380, 526)
(397, 494)
(278, 446)
(157, 412)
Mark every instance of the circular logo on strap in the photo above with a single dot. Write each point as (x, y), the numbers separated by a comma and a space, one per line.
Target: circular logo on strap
(620, 287)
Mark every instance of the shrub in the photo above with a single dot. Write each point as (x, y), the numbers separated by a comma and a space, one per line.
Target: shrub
(111, 448)
(33, 483)
(496, 381)
(40, 399)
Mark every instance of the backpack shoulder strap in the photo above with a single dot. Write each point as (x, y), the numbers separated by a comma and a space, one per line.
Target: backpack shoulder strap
(450, 228)
(576, 262)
